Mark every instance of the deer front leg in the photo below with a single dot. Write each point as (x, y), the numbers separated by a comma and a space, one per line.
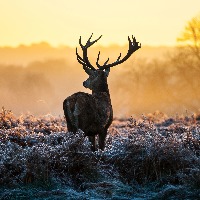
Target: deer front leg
(102, 138)
(92, 140)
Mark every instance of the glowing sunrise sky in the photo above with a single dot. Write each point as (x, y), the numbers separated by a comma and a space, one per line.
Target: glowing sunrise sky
(61, 22)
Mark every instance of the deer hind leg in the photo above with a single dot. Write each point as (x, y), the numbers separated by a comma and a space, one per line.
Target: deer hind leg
(76, 113)
(69, 126)
(72, 122)
(102, 138)
(68, 119)
(92, 140)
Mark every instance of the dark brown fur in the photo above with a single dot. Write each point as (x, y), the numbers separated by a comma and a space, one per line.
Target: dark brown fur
(92, 113)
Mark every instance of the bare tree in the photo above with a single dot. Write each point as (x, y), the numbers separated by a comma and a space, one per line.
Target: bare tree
(93, 113)
(187, 64)
(190, 37)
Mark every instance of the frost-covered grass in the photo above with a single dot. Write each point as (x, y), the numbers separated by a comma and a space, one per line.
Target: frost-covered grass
(154, 157)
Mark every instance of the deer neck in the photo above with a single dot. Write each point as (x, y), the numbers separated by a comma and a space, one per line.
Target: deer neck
(102, 94)
(104, 111)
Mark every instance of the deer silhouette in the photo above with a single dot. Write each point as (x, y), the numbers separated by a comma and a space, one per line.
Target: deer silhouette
(93, 113)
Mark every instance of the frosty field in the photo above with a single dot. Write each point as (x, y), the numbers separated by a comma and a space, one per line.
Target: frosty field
(152, 157)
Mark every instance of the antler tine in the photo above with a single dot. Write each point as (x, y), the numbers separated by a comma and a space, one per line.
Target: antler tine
(80, 60)
(106, 61)
(133, 46)
(80, 43)
(119, 57)
(89, 43)
(85, 61)
(97, 62)
(130, 43)
(97, 39)
(133, 38)
(90, 37)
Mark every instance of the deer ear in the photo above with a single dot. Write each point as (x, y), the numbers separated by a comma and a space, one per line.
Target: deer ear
(107, 70)
(88, 70)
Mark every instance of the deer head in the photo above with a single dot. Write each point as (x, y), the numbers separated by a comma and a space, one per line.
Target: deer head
(98, 77)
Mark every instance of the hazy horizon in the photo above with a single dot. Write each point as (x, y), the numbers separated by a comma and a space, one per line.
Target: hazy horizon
(39, 77)
(77, 45)
(25, 54)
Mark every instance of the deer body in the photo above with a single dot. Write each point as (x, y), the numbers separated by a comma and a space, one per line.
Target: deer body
(93, 113)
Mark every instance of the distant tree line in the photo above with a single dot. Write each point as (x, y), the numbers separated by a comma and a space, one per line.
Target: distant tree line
(171, 85)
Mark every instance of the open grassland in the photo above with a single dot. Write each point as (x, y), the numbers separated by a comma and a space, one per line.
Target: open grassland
(152, 157)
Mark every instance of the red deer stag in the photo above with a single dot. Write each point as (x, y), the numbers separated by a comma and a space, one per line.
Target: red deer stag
(93, 113)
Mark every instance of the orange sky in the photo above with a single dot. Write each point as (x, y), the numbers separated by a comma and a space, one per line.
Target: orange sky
(155, 22)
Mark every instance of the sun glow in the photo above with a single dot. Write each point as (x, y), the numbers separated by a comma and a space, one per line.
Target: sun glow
(62, 22)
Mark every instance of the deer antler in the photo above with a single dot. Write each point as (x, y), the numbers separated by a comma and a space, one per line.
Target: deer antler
(133, 46)
(85, 61)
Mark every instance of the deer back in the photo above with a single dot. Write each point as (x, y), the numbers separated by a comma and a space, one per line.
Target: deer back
(92, 112)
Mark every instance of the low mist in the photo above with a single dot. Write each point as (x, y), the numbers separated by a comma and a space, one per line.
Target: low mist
(38, 78)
